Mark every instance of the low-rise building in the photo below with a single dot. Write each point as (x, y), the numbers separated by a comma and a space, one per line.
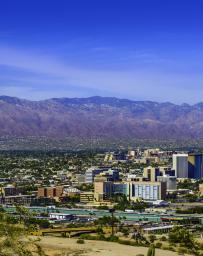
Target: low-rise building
(133, 190)
(61, 216)
(151, 191)
(17, 199)
(50, 192)
(87, 197)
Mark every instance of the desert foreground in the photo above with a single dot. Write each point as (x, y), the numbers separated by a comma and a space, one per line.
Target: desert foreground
(68, 247)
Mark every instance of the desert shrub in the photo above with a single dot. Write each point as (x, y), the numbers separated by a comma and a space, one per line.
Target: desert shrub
(158, 245)
(166, 247)
(86, 236)
(101, 237)
(163, 238)
(182, 250)
(126, 242)
(152, 238)
(80, 241)
(171, 248)
(112, 239)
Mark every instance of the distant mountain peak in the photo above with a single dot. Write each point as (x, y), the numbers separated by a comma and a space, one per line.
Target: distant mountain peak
(96, 116)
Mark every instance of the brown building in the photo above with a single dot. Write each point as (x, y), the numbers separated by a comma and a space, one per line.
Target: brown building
(58, 191)
(41, 192)
(50, 192)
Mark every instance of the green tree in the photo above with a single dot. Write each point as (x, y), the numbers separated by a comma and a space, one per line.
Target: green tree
(181, 236)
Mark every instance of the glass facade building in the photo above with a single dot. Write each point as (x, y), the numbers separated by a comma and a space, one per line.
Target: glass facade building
(195, 166)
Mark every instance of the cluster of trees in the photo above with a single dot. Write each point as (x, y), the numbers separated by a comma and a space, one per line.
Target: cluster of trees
(185, 240)
(188, 184)
(123, 203)
(86, 187)
(192, 210)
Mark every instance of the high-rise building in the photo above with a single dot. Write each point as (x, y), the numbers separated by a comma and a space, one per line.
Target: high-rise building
(103, 190)
(165, 170)
(121, 188)
(170, 182)
(180, 165)
(151, 173)
(91, 173)
(195, 166)
(111, 174)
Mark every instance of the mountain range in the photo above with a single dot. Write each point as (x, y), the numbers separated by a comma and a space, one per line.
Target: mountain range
(99, 117)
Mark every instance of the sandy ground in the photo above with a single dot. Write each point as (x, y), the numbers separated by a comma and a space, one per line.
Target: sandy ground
(55, 246)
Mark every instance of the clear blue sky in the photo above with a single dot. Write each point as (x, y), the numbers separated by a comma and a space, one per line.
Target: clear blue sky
(136, 49)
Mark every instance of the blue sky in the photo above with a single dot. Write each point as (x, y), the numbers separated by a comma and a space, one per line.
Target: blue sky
(136, 49)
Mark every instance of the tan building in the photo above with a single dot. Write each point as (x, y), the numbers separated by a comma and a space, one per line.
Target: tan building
(151, 152)
(87, 197)
(151, 173)
(102, 190)
(201, 189)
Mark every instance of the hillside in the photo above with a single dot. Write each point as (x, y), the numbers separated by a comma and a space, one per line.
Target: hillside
(100, 117)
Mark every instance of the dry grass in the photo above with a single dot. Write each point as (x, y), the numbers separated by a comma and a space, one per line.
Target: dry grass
(69, 247)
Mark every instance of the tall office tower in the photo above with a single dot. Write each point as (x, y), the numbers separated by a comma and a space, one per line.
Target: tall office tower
(91, 173)
(180, 165)
(151, 173)
(195, 166)
(170, 181)
(102, 190)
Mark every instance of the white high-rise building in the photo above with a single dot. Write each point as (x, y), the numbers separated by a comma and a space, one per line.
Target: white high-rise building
(180, 165)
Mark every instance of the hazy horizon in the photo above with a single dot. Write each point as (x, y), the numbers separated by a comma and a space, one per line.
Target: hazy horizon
(98, 96)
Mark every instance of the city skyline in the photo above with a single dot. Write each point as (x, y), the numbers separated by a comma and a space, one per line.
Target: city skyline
(140, 51)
